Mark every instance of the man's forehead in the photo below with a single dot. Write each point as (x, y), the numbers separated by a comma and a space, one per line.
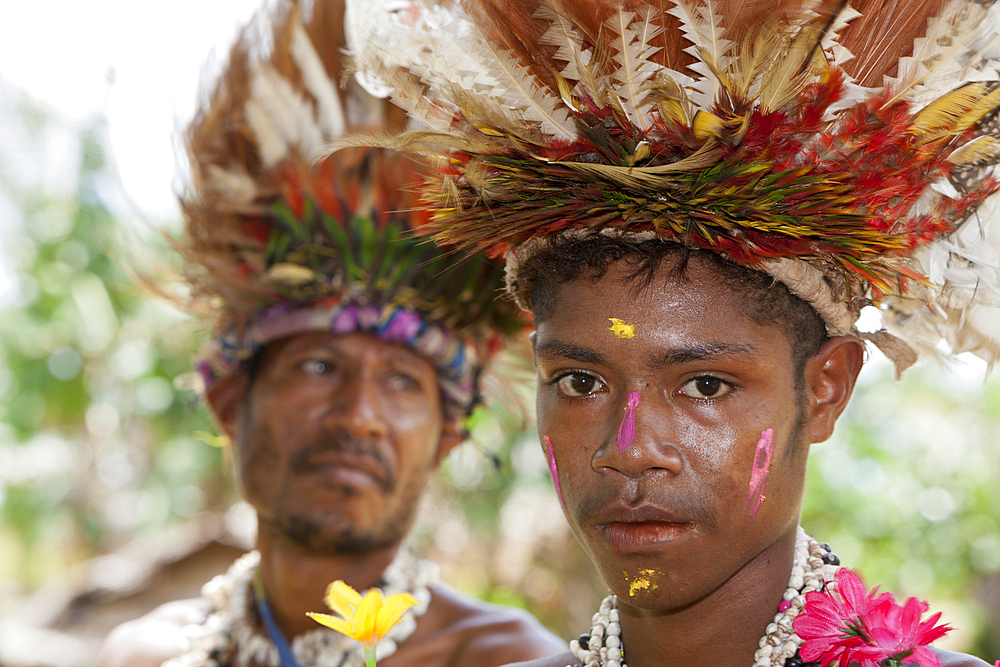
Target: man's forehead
(622, 294)
(674, 318)
(351, 344)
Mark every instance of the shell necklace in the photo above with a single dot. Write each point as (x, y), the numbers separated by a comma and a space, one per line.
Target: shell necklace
(813, 567)
(230, 635)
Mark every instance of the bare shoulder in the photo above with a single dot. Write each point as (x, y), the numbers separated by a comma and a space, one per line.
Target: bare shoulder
(151, 639)
(952, 659)
(460, 630)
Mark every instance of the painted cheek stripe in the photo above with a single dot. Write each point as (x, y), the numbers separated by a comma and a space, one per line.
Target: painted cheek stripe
(761, 467)
(550, 457)
(626, 432)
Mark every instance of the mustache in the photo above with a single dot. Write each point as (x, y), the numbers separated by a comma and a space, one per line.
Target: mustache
(671, 500)
(341, 441)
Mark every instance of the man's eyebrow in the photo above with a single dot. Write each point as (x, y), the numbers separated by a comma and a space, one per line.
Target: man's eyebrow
(556, 349)
(702, 352)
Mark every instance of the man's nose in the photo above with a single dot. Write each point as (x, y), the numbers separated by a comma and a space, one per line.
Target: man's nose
(357, 406)
(641, 442)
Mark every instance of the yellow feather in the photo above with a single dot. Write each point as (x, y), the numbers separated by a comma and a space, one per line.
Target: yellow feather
(944, 112)
(755, 53)
(980, 149)
(791, 71)
(707, 125)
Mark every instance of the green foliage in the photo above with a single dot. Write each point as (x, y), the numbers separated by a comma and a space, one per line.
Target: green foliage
(89, 414)
(907, 492)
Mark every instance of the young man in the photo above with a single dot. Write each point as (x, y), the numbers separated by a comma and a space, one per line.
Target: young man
(696, 199)
(345, 357)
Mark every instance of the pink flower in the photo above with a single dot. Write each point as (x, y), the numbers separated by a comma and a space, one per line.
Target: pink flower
(869, 628)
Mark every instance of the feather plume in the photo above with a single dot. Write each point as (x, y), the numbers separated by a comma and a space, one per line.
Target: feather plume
(702, 29)
(782, 82)
(985, 149)
(272, 217)
(841, 139)
(517, 86)
(568, 43)
(884, 32)
(756, 55)
(942, 53)
(632, 50)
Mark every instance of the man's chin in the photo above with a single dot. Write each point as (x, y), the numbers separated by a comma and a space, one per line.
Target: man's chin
(321, 538)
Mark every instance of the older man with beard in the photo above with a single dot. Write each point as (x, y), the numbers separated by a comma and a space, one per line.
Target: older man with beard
(344, 359)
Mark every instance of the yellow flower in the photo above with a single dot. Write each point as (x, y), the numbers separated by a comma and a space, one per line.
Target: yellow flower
(367, 618)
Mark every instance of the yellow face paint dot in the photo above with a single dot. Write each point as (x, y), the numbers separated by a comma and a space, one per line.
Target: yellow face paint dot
(621, 329)
(642, 582)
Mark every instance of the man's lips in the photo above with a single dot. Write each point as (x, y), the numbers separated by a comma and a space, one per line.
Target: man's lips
(348, 469)
(645, 527)
(642, 534)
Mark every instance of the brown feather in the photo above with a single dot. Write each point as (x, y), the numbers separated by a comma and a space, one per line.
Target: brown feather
(883, 34)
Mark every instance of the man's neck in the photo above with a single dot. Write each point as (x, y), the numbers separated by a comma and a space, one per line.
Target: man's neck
(723, 629)
(295, 578)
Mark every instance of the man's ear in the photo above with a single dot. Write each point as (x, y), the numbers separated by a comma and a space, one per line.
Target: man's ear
(452, 435)
(225, 398)
(829, 381)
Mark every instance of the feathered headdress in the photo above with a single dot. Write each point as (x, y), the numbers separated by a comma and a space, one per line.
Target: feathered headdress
(845, 149)
(279, 241)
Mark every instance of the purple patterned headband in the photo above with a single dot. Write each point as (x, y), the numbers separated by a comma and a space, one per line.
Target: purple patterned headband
(456, 360)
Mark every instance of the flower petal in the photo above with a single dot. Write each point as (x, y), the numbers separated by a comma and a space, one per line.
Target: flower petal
(850, 588)
(332, 622)
(342, 599)
(393, 610)
(922, 656)
(364, 618)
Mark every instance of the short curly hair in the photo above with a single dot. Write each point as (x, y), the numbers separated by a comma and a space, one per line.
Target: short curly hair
(769, 302)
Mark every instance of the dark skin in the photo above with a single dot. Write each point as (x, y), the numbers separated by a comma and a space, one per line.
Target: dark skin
(667, 518)
(333, 442)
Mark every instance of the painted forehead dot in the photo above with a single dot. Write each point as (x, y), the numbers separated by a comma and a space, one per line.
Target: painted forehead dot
(621, 328)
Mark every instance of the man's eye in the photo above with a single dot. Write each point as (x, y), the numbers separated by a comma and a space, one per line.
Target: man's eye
(316, 366)
(579, 384)
(403, 382)
(705, 386)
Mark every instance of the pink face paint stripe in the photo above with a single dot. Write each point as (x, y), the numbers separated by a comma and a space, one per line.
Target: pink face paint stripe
(761, 467)
(550, 457)
(626, 432)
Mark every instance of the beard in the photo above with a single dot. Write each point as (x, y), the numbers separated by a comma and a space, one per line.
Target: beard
(328, 536)
(325, 530)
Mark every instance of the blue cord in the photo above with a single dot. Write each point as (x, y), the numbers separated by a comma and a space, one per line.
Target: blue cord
(284, 650)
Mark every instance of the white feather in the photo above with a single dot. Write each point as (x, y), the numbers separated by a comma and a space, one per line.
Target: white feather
(965, 271)
(701, 27)
(230, 186)
(632, 52)
(522, 92)
(569, 46)
(331, 114)
(270, 145)
(839, 53)
(942, 55)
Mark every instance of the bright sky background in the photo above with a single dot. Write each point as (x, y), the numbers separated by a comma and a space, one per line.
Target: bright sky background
(137, 62)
